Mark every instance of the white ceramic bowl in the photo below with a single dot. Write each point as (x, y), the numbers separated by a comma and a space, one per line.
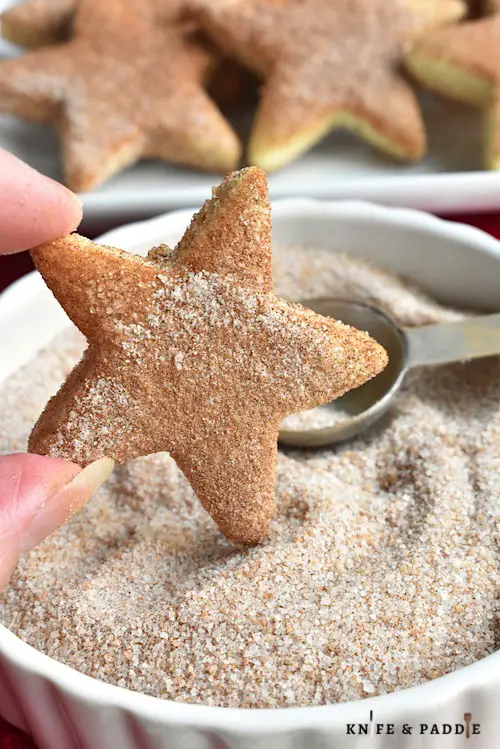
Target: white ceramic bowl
(64, 709)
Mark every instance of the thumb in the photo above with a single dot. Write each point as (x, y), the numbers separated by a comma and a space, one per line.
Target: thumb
(37, 494)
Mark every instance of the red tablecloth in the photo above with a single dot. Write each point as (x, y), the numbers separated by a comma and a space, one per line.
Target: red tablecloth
(13, 267)
(11, 738)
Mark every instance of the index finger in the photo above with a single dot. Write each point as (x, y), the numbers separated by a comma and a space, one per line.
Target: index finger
(33, 208)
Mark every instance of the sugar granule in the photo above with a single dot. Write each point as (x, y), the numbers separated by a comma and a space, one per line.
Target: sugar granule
(382, 569)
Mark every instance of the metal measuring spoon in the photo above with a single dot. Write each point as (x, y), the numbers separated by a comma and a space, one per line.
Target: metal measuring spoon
(442, 343)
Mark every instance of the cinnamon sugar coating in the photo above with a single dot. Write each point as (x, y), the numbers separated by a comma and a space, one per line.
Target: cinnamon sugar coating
(325, 65)
(124, 88)
(191, 353)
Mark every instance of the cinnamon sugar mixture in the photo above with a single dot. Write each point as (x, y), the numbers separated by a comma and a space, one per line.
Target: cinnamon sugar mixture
(382, 569)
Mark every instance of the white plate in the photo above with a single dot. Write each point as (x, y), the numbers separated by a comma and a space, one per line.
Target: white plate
(448, 179)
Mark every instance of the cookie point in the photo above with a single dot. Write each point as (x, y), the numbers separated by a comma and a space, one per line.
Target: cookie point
(252, 533)
(249, 184)
(246, 176)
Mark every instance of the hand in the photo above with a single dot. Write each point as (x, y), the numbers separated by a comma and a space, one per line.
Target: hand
(37, 494)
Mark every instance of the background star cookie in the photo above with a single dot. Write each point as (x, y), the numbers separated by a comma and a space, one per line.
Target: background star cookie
(190, 352)
(463, 62)
(123, 88)
(35, 23)
(326, 65)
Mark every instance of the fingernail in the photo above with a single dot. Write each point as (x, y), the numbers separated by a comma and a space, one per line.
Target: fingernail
(70, 498)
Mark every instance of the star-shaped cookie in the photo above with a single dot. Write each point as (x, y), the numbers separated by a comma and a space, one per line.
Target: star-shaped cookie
(35, 23)
(463, 62)
(190, 352)
(327, 65)
(123, 88)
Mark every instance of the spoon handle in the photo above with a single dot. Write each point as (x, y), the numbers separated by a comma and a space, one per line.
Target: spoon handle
(471, 338)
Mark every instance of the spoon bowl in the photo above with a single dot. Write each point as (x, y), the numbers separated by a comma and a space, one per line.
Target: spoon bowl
(357, 410)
